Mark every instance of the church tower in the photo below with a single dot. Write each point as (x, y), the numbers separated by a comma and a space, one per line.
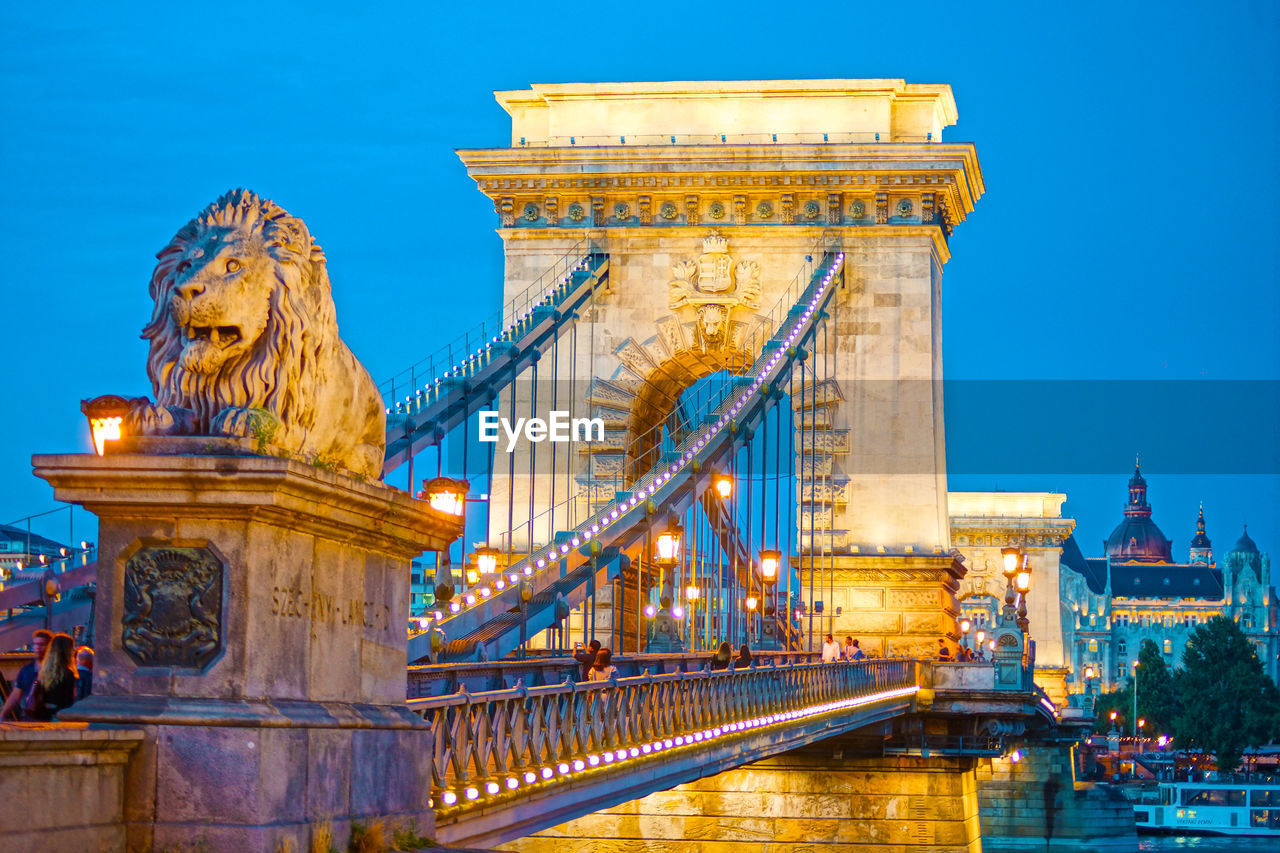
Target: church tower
(1201, 547)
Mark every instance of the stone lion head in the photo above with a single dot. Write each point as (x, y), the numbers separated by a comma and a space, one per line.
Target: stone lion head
(234, 291)
(243, 325)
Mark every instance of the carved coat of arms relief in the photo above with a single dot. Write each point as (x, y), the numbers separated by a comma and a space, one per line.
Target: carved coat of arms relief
(713, 287)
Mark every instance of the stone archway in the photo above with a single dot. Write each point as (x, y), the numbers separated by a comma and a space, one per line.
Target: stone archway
(644, 390)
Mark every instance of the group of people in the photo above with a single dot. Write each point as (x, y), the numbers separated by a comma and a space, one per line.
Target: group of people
(597, 662)
(724, 656)
(833, 651)
(963, 653)
(58, 676)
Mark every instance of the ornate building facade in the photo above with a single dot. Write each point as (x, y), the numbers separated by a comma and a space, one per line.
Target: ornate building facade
(1095, 612)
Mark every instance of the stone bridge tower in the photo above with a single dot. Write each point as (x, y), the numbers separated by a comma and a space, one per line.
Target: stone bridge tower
(708, 197)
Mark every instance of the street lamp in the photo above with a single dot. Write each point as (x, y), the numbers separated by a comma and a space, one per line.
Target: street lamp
(106, 416)
(724, 485)
(667, 545)
(1088, 688)
(1010, 557)
(485, 560)
(769, 562)
(444, 494)
(1135, 696)
(692, 593)
(751, 604)
(965, 625)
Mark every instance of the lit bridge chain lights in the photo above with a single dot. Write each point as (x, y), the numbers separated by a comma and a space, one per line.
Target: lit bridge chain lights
(787, 338)
(508, 743)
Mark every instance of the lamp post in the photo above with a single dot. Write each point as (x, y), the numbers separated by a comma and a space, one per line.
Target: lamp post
(750, 604)
(448, 496)
(691, 596)
(1135, 698)
(769, 562)
(667, 549)
(980, 637)
(965, 625)
(1088, 689)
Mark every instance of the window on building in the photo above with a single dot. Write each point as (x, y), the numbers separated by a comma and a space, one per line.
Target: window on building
(1168, 621)
(1122, 672)
(1122, 619)
(1093, 647)
(1093, 621)
(1168, 646)
(1121, 647)
(1247, 621)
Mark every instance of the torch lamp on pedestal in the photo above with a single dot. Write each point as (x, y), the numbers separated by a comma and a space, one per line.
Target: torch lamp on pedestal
(770, 561)
(448, 496)
(106, 416)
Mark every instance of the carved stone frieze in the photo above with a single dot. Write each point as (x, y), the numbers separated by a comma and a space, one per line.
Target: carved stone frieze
(507, 211)
(835, 208)
(552, 207)
(646, 210)
(739, 210)
(597, 211)
(173, 607)
(788, 209)
(691, 210)
(882, 208)
(927, 208)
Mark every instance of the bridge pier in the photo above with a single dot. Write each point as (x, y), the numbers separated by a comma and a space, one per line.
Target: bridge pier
(1036, 802)
(804, 800)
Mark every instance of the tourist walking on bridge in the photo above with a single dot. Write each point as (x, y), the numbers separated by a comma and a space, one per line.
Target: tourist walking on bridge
(851, 650)
(603, 669)
(830, 650)
(26, 676)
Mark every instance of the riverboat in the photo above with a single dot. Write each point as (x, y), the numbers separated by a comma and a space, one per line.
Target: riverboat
(1210, 808)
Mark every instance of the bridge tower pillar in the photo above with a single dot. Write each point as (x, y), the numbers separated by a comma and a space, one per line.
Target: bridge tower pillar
(708, 197)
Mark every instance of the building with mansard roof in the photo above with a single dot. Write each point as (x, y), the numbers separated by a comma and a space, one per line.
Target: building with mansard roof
(1094, 612)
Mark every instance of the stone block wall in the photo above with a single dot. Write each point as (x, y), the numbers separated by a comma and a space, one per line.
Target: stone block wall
(62, 787)
(795, 802)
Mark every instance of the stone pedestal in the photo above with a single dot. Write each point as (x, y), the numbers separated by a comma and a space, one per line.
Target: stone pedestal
(251, 618)
(893, 604)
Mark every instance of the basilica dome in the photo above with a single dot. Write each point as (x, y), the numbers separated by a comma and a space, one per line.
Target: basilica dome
(1137, 538)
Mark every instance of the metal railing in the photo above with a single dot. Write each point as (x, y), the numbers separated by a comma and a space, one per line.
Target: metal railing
(493, 745)
(868, 137)
(405, 391)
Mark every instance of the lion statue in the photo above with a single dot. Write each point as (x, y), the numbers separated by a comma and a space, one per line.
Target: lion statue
(244, 342)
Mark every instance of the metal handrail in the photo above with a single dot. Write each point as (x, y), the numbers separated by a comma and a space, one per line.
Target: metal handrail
(866, 137)
(453, 358)
(494, 744)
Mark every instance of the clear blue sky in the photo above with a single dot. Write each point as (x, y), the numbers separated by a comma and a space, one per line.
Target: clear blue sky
(1128, 232)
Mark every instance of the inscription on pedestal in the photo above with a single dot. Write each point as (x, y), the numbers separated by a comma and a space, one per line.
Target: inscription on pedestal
(172, 607)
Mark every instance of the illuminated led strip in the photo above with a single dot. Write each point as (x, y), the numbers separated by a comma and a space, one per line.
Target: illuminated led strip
(1052, 708)
(578, 767)
(616, 511)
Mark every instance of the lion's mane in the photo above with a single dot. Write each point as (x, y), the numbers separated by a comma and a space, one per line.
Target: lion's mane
(275, 372)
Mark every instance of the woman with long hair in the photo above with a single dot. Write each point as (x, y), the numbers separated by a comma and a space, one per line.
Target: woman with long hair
(603, 669)
(55, 687)
(721, 659)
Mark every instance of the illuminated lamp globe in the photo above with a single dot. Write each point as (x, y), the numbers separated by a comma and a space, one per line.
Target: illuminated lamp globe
(1023, 582)
(769, 562)
(1010, 556)
(751, 602)
(444, 494)
(692, 593)
(106, 416)
(485, 560)
(724, 485)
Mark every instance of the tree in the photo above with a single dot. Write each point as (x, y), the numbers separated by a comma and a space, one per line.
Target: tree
(1228, 702)
(1120, 701)
(1157, 693)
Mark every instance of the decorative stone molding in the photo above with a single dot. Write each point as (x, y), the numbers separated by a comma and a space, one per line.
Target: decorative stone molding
(835, 209)
(716, 211)
(530, 212)
(906, 207)
(739, 210)
(788, 208)
(691, 210)
(507, 211)
(858, 209)
(552, 206)
(927, 208)
(882, 208)
(577, 213)
(597, 211)
(669, 212)
(812, 210)
(646, 210)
